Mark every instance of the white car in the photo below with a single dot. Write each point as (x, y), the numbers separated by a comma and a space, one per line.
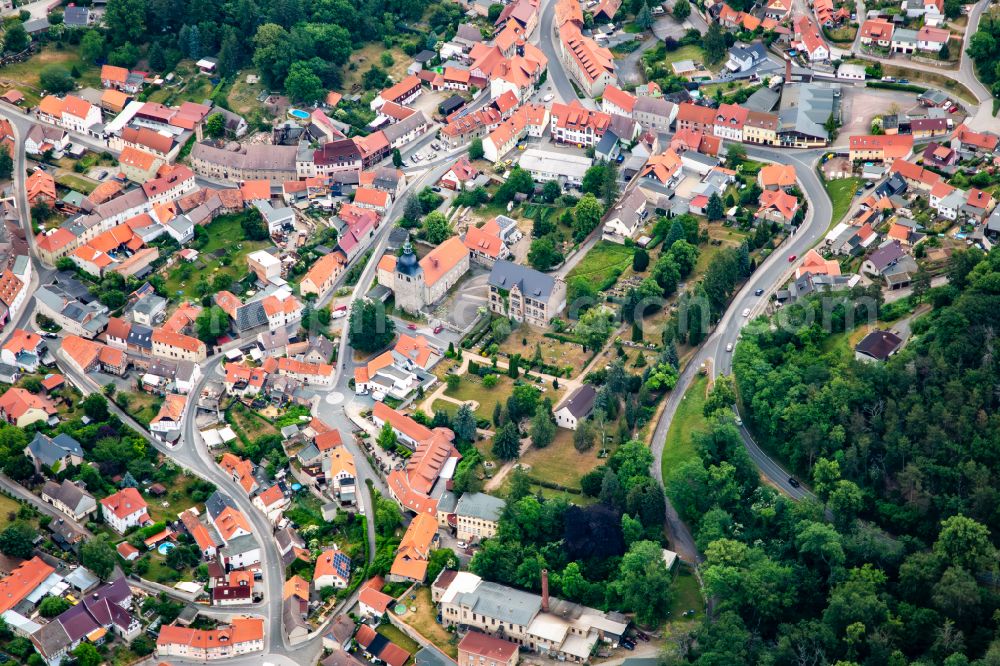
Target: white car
(729, 347)
(463, 545)
(548, 98)
(746, 313)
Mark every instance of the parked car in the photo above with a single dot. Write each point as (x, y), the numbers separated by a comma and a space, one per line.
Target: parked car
(438, 329)
(412, 327)
(746, 312)
(463, 545)
(793, 258)
(547, 98)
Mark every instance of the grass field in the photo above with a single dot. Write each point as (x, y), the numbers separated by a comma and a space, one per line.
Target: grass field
(399, 638)
(224, 254)
(190, 85)
(178, 499)
(472, 388)
(686, 596)
(603, 264)
(252, 425)
(142, 406)
(689, 52)
(76, 182)
(7, 506)
(370, 55)
(424, 621)
(242, 96)
(841, 193)
(679, 446)
(24, 75)
(560, 462)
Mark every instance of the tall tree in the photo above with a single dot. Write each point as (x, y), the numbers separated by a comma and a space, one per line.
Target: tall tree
(371, 329)
(542, 429)
(507, 442)
(714, 44)
(464, 424)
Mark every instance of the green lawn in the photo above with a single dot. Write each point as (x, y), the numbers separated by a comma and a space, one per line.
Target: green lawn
(689, 52)
(472, 388)
(7, 507)
(178, 499)
(190, 85)
(400, 639)
(78, 183)
(679, 447)
(603, 264)
(424, 621)
(560, 462)
(142, 406)
(841, 193)
(686, 595)
(24, 76)
(224, 254)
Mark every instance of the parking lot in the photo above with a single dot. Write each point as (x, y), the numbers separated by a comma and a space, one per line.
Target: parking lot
(860, 105)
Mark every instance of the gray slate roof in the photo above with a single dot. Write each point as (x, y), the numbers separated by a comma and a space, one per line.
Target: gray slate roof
(580, 402)
(481, 506)
(47, 450)
(534, 284)
(502, 603)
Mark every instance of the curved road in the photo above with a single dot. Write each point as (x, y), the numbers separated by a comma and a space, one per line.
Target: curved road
(982, 118)
(769, 276)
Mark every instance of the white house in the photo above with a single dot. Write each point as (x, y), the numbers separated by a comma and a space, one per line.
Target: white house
(333, 569)
(124, 510)
(626, 218)
(576, 407)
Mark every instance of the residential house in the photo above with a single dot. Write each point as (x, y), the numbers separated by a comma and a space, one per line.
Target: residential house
(413, 553)
(69, 498)
(626, 218)
(333, 569)
(322, 275)
(479, 649)
(877, 346)
(885, 148)
(777, 206)
(485, 245)
(243, 635)
(22, 408)
(55, 453)
(124, 510)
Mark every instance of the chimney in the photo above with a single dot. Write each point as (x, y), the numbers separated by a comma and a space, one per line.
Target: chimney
(788, 69)
(545, 590)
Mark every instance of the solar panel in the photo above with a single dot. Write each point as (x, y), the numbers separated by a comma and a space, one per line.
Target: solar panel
(342, 563)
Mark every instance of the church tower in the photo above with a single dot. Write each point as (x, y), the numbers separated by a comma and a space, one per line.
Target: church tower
(409, 281)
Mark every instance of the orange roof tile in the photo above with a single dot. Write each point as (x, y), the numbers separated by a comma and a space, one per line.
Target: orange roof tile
(125, 502)
(22, 581)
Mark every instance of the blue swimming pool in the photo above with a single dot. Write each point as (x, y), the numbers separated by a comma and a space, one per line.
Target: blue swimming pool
(298, 114)
(165, 547)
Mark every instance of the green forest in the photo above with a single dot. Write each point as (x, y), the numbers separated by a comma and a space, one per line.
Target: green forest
(299, 46)
(894, 562)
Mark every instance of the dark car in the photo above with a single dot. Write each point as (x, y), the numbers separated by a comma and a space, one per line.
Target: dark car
(793, 482)
(627, 644)
(758, 292)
